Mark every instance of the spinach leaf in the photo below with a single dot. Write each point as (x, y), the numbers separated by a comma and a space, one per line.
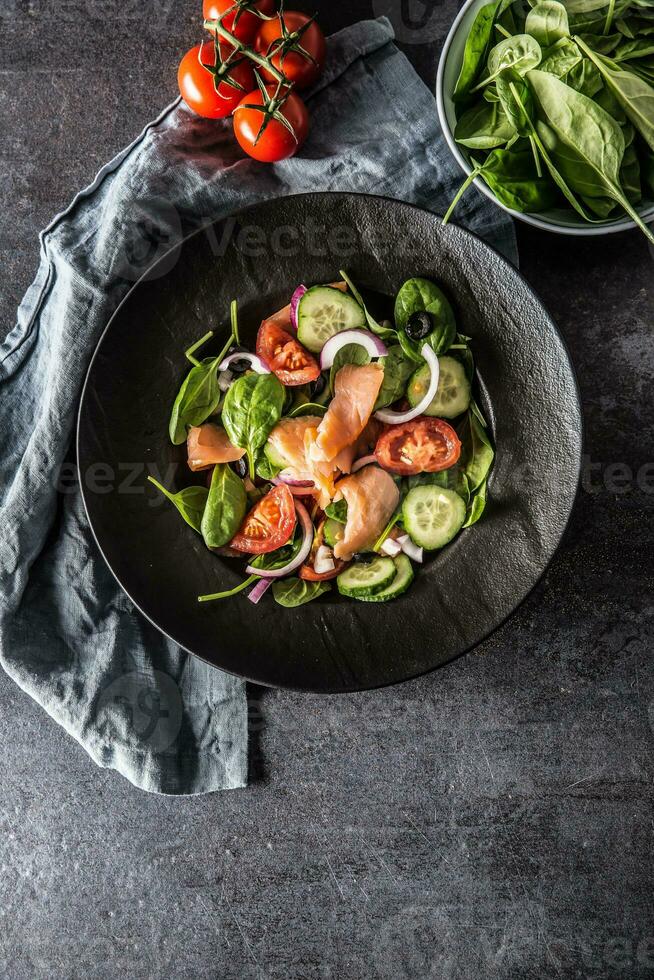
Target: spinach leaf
(337, 511)
(634, 95)
(386, 333)
(420, 294)
(282, 556)
(397, 371)
(483, 126)
(198, 398)
(265, 468)
(476, 47)
(561, 58)
(477, 453)
(293, 592)
(253, 406)
(226, 506)
(630, 174)
(190, 502)
(308, 408)
(350, 354)
(589, 145)
(547, 22)
(585, 78)
(520, 52)
(477, 505)
(518, 108)
(511, 175)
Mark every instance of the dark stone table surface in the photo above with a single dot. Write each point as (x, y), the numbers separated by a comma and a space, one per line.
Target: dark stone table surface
(492, 820)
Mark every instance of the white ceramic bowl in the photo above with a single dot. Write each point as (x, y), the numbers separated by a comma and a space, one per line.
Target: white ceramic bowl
(560, 220)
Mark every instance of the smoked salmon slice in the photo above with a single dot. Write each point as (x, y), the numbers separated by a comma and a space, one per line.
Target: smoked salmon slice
(288, 441)
(355, 392)
(372, 498)
(208, 445)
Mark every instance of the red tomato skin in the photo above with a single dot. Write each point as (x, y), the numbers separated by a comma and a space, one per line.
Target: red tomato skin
(298, 69)
(278, 506)
(276, 143)
(248, 24)
(445, 442)
(276, 347)
(196, 84)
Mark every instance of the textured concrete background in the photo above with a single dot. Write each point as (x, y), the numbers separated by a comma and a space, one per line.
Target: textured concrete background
(493, 820)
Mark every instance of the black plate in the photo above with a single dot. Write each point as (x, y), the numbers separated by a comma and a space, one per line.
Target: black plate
(526, 384)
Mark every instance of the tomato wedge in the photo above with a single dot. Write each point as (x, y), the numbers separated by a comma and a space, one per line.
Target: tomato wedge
(285, 356)
(425, 445)
(269, 525)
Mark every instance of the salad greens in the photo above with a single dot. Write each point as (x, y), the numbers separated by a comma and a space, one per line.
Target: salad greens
(412, 450)
(561, 111)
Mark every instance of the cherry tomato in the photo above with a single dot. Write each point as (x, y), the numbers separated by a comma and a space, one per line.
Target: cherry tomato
(269, 525)
(197, 84)
(275, 142)
(242, 25)
(297, 67)
(425, 445)
(285, 356)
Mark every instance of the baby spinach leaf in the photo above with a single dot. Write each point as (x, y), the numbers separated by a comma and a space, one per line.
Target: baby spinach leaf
(190, 502)
(477, 505)
(547, 22)
(630, 174)
(397, 371)
(308, 408)
(293, 592)
(585, 78)
(417, 295)
(483, 126)
(634, 95)
(561, 58)
(253, 406)
(337, 511)
(282, 556)
(198, 398)
(589, 144)
(265, 468)
(477, 453)
(520, 52)
(225, 509)
(511, 175)
(520, 108)
(386, 333)
(350, 354)
(476, 47)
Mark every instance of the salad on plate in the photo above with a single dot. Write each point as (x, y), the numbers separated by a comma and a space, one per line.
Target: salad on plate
(340, 450)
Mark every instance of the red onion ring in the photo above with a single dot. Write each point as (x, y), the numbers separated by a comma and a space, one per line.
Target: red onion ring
(295, 302)
(259, 590)
(397, 418)
(300, 558)
(364, 338)
(255, 362)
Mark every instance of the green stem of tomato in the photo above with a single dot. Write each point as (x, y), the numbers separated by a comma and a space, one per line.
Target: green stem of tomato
(228, 595)
(259, 59)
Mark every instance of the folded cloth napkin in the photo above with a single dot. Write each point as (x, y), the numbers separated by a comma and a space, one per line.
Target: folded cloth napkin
(68, 635)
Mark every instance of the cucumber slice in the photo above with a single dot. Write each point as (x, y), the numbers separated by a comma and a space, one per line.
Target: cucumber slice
(432, 516)
(401, 582)
(453, 394)
(365, 579)
(323, 312)
(275, 458)
(333, 532)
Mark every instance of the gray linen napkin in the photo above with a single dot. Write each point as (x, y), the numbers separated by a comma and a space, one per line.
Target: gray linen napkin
(68, 635)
